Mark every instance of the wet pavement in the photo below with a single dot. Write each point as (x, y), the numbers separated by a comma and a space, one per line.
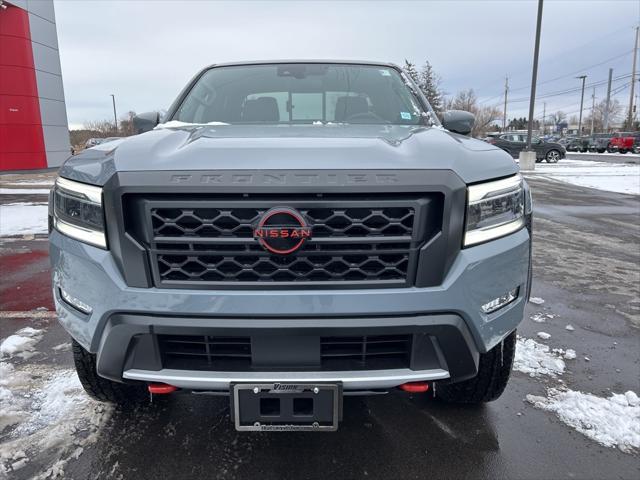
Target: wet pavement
(586, 268)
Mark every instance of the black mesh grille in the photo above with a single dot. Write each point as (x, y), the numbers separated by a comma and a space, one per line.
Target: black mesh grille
(239, 222)
(204, 352)
(274, 268)
(218, 353)
(368, 352)
(365, 242)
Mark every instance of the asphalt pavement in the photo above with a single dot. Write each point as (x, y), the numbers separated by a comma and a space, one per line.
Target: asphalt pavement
(586, 268)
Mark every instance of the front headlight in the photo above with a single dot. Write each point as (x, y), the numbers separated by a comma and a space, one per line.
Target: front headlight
(77, 212)
(494, 209)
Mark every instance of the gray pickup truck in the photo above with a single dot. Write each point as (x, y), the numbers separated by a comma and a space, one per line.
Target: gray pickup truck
(292, 233)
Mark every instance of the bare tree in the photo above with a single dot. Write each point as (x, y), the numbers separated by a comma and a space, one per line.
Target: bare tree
(600, 112)
(485, 115)
(104, 128)
(558, 117)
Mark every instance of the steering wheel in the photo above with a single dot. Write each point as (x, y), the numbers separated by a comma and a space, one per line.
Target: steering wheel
(365, 116)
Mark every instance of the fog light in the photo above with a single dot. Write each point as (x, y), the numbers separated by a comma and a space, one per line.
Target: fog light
(501, 301)
(75, 302)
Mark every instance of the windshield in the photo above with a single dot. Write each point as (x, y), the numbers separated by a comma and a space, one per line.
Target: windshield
(301, 93)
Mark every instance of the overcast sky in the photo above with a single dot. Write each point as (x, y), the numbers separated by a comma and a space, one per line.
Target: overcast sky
(145, 51)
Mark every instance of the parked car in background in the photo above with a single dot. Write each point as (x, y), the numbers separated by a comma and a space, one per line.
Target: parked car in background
(600, 142)
(514, 143)
(564, 141)
(624, 142)
(92, 142)
(578, 144)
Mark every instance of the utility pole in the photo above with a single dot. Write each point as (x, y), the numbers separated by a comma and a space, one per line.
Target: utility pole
(544, 115)
(583, 78)
(504, 115)
(115, 117)
(607, 103)
(633, 81)
(593, 108)
(534, 76)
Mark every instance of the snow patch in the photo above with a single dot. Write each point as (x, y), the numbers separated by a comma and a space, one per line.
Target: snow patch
(63, 347)
(51, 419)
(179, 124)
(23, 218)
(21, 344)
(536, 359)
(539, 317)
(570, 328)
(544, 335)
(536, 300)
(23, 191)
(610, 177)
(612, 422)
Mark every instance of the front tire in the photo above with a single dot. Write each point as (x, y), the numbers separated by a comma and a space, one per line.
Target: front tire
(494, 370)
(100, 388)
(552, 156)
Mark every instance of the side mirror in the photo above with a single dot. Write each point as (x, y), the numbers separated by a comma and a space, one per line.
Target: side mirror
(458, 121)
(144, 122)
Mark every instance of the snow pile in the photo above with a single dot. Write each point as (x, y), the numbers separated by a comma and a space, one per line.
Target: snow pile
(544, 335)
(23, 218)
(10, 408)
(613, 421)
(21, 344)
(52, 421)
(536, 300)
(536, 359)
(611, 177)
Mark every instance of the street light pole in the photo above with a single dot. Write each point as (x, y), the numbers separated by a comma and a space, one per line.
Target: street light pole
(115, 116)
(583, 78)
(607, 103)
(633, 82)
(504, 115)
(534, 75)
(593, 109)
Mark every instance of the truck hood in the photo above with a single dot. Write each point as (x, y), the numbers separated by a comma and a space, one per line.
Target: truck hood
(292, 147)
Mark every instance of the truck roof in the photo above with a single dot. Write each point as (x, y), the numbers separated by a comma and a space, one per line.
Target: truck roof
(289, 61)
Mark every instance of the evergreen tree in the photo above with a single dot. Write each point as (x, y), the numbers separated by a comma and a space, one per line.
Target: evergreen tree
(429, 83)
(411, 70)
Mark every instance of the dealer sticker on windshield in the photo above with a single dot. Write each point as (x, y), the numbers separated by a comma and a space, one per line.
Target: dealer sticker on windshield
(405, 115)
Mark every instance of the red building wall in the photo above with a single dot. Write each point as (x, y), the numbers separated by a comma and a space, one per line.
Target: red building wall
(21, 136)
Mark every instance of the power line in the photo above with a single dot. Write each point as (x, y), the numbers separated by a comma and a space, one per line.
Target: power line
(564, 53)
(571, 90)
(578, 71)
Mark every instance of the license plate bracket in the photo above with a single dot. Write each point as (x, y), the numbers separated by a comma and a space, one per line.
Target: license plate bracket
(286, 406)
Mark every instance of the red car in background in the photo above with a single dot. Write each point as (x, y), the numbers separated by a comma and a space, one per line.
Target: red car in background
(624, 142)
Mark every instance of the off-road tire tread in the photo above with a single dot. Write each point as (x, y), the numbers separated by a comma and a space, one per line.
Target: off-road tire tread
(97, 387)
(494, 370)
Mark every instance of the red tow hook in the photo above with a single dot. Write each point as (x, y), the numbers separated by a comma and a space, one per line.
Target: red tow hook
(415, 387)
(161, 388)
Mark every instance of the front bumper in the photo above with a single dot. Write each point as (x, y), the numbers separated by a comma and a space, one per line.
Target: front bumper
(121, 313)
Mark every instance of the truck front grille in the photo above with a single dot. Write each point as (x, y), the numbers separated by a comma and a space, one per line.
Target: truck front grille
(355, 241)
(239, 222)
(219, 353)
